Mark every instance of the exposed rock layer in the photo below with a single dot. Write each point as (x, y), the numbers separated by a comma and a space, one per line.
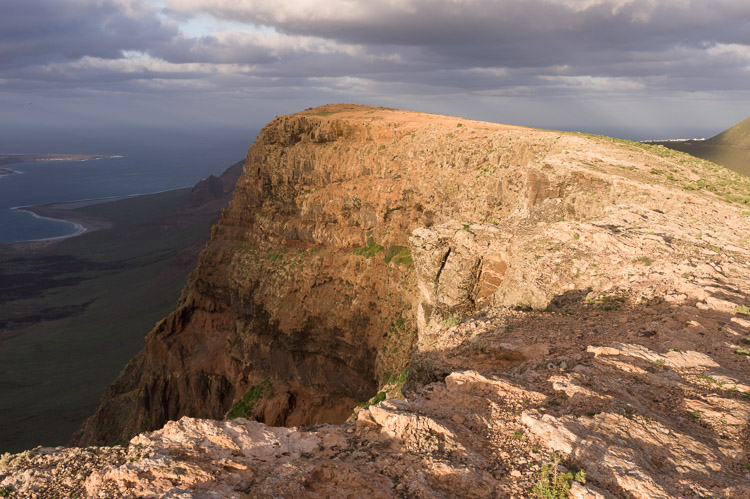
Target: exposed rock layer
(635, 371)
(280, 290)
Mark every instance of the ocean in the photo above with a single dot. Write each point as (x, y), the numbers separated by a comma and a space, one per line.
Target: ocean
(131, 172)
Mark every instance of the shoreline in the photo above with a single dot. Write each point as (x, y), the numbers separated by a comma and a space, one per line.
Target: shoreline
(79, 228)
(7, 172)
(81, 223)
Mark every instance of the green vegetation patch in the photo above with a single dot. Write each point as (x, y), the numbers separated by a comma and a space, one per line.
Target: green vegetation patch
(742, 310)
(450, 322)
(553, 484)
(371, 249)
(390, 379)
(375, 400)
(742, 351)
(322, 112)
(710, 379)
(398, 254)
(245, 406)
(608, 301)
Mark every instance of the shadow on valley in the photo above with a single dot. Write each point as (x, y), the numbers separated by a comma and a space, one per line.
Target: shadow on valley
(74, 312)
(25, 277)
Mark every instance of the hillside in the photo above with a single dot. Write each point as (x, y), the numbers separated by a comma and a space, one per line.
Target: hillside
(730, 148)
(736, 136)
(490, 298)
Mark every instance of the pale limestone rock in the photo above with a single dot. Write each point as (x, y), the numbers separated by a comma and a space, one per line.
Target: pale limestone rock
(579, 491)
(190, 454)
(631, 454)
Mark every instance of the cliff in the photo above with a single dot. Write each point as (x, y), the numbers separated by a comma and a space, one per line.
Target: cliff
(538, 296)
(307, 278)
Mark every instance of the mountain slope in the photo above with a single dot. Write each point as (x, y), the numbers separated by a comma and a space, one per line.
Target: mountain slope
(735, 136)
(730, 148)
(548, 291)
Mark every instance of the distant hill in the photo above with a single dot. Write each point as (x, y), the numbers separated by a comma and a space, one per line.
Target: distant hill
(730, 148)
(736, 136)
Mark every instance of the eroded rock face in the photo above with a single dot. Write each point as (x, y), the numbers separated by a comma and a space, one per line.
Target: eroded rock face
(308, 279)
(569, 301)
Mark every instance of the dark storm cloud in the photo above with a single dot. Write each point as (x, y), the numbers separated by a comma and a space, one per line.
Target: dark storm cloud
(471, 45)
(41, 31)
(533, 32)
(605, 38)
(393, 51)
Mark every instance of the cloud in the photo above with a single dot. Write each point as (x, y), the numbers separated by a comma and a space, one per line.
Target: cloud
(40, 31)
(594, 40)
(397, 52)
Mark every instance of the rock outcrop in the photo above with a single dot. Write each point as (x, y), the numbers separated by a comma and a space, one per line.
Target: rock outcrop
(563, 303)
(308, 279)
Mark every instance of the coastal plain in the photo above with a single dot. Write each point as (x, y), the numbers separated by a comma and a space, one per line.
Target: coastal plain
(74, 310)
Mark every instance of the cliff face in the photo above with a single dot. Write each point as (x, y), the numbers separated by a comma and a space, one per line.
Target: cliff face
(558, 299)
(307, 278)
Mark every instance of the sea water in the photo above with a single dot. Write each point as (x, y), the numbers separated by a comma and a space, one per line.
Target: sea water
(129, 172)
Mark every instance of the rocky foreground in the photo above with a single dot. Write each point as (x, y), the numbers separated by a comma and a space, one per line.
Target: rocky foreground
(580, 315)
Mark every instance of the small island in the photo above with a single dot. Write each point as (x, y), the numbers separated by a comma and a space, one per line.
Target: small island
(8, 159)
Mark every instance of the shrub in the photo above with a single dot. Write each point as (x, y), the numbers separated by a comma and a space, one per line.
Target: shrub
(644, 260)
(449, 322)
(552, 484)
(398, 254)
(371, 249)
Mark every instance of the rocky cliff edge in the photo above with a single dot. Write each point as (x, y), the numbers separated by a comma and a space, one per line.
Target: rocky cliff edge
(566, 314)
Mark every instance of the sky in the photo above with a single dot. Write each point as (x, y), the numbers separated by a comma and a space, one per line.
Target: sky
(637, 69)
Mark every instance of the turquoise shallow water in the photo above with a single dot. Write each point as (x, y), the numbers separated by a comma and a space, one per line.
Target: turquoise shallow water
(136, 172)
